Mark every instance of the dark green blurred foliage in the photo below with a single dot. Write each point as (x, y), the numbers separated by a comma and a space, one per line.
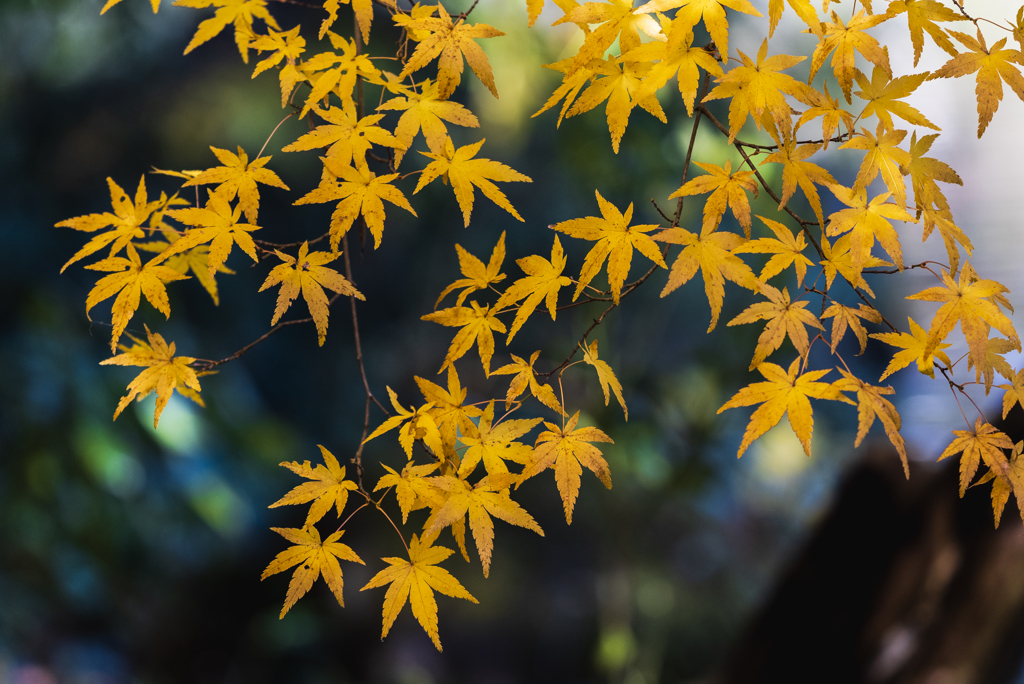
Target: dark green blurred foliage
(134, 555)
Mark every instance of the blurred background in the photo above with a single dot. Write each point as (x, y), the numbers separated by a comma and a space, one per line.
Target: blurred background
(131, 554)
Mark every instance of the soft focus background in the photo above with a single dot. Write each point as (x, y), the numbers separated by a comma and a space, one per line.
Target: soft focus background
(131, 554)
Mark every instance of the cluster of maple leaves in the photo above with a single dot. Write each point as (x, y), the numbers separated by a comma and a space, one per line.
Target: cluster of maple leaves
(656, 44)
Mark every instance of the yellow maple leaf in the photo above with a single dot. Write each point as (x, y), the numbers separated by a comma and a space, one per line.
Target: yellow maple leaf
(993, 65)
(495, 444)
(165, 373)
(308, 275)
(542, 282)
(360, 191)
(413, 490)
(349, 137)
(711, 12)
(487, 497)
(287, 46)
(984, 443)
(425, 110)
(915, 348)
(448, 410)
(728, 190)
(838, 261)
(675, 57)
(785, 392)
(994, 362)
(1014, 393)
(239, 175)
(866, 221)
(416, 424)
(525, 377)
(884, 94)
(459, 167)
(832, 114)
(129, 279)
(605, 375)
(327, 487)
(847, 317)
(477, 324)
(478, 276)
(925, 171)
(882, 156)
(314, 558)
(951, 234)
(845, 39)
(711, 253)
(966, 301)
(127, 221)
(614, 19)
(1007, 479)
(195, 260)
(572, 83)
(328, 72)
(566, 450)
(786, 251)
(618, 81)
(871, 404)
(218, 224)
(798, 172)
(922, 16)
(239, 13)
(803, 9)
(451, 41)
(615, 240)
(785, 318)
(363, 10)
(415, 580)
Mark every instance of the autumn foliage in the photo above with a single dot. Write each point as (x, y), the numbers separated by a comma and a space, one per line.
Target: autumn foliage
(466, 455)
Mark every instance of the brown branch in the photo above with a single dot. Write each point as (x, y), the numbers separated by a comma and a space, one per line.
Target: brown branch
(689, 149)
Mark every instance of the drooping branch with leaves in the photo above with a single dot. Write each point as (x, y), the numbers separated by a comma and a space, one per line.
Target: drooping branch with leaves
(466, 455)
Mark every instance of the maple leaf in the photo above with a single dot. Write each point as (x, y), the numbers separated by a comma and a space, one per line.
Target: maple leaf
(785, 318)
(994, 362)
(452, 41)
(415, 580)
(308, 275)
(329, 72)
(411, 487)
(675, 57)
(924, 171)
(711, 253)
(314, 557)
(572, 83)
(983, 443)
(785, 392)
(1007, 479)
(476, 324)
(942, 219)
(1014, 393)
(845, 39)
(797, 172)
(542, 282)
(802, 8)
(363, 10)
(827, 107)
(349, 137)
(360, 191)
(427, 111)
(915, 348)
(617, 81)
(448, 408)
(154, 3)
(763, 87)
(884, 95)
(238, 175)
(416, 424)
(993, 65)
(922, 16)
(615, 19)
(728, 190)
(605, 375)
(217, 224)
(566, 450)
(711, 12)
(164, 373)
(525, 377)
(327, 487)
(287, 46)
(615, 240)
(848, 317)
(239, 13)
(787, 251)
(129, 279)
(478, 276)
(967, 301)
(459, 167)
(127, 221)
(195, 260)
(883, 156)
(488, 497)
(838, 261)
(495, 444)
(871, 404)
(867, 221)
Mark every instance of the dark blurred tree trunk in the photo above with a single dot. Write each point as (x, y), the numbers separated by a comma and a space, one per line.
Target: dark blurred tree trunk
(901, 583)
